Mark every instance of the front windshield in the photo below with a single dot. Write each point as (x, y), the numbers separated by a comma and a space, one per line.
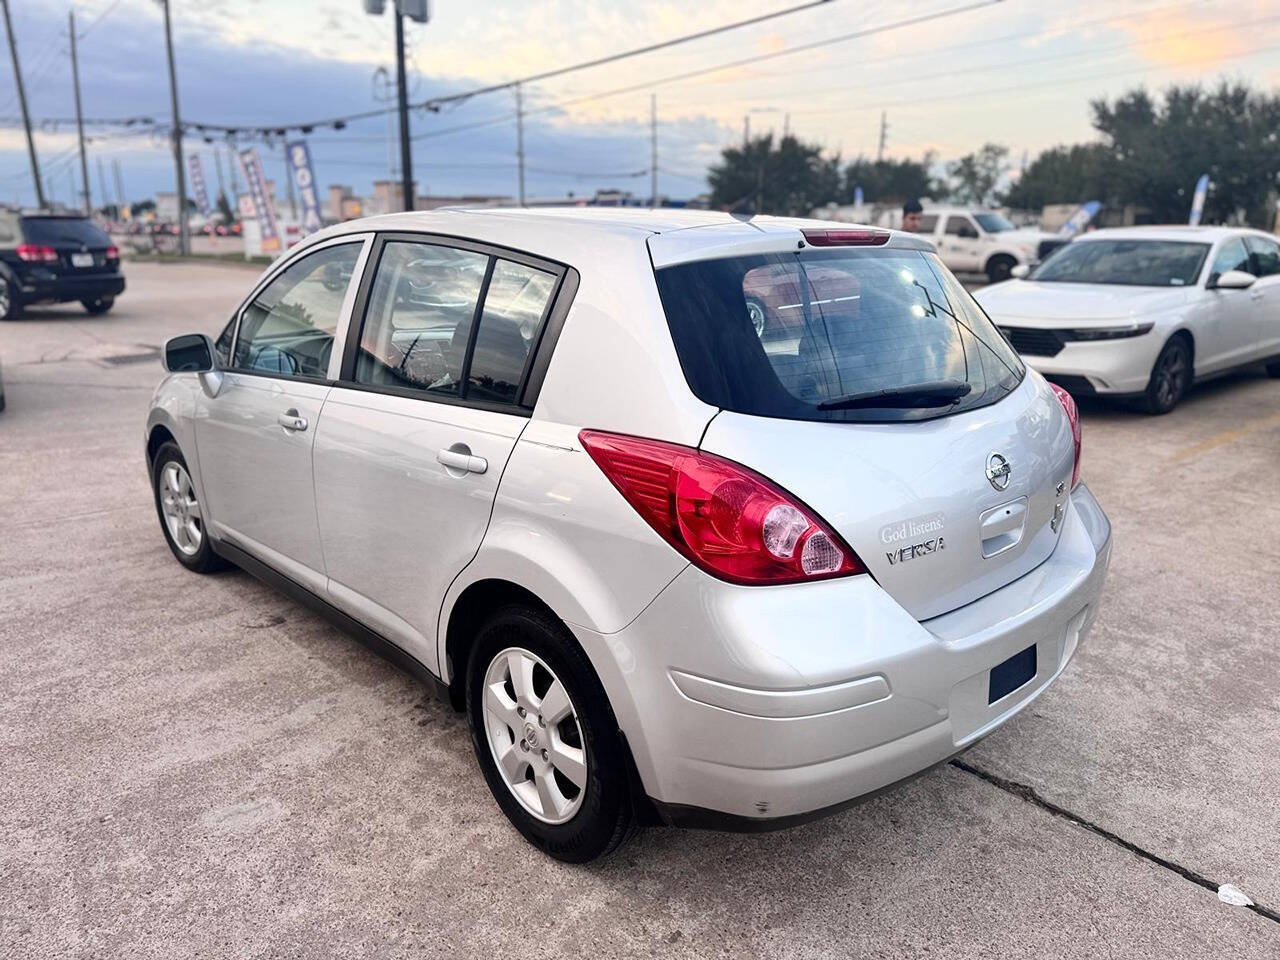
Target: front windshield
(993, 222)
(1130, 263)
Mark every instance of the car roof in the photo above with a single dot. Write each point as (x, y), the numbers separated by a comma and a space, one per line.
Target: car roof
(1183, 232)
(569, 233)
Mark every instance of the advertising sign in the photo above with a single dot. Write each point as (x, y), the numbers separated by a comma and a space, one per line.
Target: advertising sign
(197, 184)
(304, 178)
(1197, 202)
(1080, 219)
(265, 214)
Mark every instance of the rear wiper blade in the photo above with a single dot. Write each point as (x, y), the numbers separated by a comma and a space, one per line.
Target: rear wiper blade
(939, 393)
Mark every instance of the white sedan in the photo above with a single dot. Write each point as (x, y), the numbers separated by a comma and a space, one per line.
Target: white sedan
(1143, 312)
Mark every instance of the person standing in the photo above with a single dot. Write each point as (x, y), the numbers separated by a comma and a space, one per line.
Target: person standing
(911, 212)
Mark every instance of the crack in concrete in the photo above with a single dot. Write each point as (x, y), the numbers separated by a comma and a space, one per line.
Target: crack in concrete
(1028, 793)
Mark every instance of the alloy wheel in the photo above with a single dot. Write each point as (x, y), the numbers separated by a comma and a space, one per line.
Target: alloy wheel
(1171, 377)
(533, 731)
(181, 510)
(6, 298)
(755, 312)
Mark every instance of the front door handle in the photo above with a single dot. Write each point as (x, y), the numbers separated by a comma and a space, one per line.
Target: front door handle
(291, 421)
(459, 457)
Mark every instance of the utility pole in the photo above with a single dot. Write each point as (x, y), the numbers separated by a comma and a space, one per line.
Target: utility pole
(177, 134)
(75, 82)
(115, 169)
(217, 163)
(884, 133)
(402, 96)
(233, 162)
(102, 187)
(653, 149)
(22, 102)
(520, 140)
(746, 130)
(288, 179)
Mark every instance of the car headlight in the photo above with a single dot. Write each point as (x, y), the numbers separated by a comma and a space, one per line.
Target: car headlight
(1109, 333)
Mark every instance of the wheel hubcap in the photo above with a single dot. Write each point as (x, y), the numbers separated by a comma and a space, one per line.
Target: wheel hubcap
(180, 508)
(1172, 374)
(4, 296)
(533, 731)
(756, 313)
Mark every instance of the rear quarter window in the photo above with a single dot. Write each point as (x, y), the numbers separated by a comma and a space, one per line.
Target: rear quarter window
(786, 335)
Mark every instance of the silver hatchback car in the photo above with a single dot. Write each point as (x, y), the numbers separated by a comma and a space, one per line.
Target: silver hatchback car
(703, 521)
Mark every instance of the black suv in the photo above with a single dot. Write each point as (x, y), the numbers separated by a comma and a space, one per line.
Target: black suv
(56, 258)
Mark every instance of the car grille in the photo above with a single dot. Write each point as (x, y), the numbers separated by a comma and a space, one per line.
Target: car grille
(1034, 342)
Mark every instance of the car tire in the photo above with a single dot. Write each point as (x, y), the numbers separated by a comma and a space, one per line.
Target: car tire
(1171, 375)
(98, 305)
(184, 530)
(570, 821)
(10, 305)
(1000, 268)
(758, 316)
(1273, 369)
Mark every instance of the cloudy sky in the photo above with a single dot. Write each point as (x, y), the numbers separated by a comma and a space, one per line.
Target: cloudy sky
(1017, 72)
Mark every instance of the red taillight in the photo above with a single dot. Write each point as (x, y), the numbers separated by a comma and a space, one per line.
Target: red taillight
(113, 252)
(35, 253)
(846, 238)
(730, 521)
(1073, 417)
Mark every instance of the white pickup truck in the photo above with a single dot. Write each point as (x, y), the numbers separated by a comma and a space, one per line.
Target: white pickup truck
(971, 240)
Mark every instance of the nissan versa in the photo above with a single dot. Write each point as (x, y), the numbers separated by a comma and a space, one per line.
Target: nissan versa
(674, 570)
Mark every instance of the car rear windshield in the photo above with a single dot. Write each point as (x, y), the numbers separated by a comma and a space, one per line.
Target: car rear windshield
(812, 335)
(1130, 263)
(53, 231)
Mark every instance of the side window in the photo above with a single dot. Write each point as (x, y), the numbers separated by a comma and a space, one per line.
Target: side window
(287, 330)
(1230, 256)
(928, 223)
(418, 322)
(514, 305)
(961, 227)
(1266, 256)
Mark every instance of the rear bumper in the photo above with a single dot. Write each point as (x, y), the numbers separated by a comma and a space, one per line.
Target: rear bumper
(59, 289)
(753, 708)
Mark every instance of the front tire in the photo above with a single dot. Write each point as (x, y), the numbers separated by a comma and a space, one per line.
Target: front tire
(180, 512)
(1000, 268)
(546, 738)
(1170, 377)
(98, 305)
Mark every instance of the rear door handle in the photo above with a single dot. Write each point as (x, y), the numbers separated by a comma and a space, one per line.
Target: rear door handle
(459, 457)
(291, 421)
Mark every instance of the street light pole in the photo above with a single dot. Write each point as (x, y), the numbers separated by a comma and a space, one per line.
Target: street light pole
(177, 134)
(75, 82)
(402, 96)
(22, 102)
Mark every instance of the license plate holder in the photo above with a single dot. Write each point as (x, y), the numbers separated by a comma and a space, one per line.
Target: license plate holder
(1013, 673)
(82, 259)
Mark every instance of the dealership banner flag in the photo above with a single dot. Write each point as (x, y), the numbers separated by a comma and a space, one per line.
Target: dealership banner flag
(1197, 202)
(197, 184)
(262, 208)
(1080, 219)
(304, 178)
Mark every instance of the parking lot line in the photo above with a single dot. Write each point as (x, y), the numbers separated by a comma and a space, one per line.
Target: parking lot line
(1223, 438)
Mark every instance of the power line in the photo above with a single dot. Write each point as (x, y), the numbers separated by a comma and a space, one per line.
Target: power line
(435, 103)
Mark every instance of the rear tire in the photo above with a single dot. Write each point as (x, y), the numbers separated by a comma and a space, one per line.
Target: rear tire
(1170, 377)
(181, 514)
(10, 305)
(999, 268)
(1273, 369)
(98, 305)
(579, 822)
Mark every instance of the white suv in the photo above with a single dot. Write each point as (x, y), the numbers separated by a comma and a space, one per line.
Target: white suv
(972, 240)
(675, 569)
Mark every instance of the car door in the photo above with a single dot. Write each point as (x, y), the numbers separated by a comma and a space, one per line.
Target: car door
(1264, 296)
(1224, 325)
(960, 245)
(255, 432)
(415, 435)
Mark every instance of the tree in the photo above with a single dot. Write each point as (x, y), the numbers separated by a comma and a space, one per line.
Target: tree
(890, 181)
(1160, 149)
(789, 178)
(1065, 174)
(975, 175)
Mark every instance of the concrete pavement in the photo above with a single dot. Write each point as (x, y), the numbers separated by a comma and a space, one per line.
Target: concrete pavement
(197, 766)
